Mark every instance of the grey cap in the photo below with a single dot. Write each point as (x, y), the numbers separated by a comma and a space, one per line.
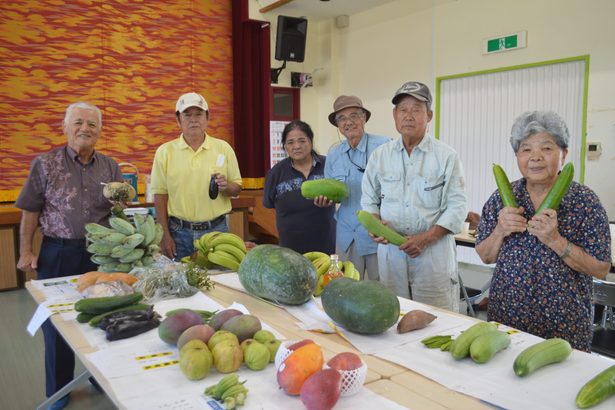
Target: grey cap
(414, 89)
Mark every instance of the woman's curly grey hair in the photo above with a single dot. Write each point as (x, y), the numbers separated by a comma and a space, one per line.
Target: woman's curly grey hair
(533, 122)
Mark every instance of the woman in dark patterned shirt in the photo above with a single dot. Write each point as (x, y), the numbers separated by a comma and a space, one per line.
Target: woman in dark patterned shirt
(542, 283)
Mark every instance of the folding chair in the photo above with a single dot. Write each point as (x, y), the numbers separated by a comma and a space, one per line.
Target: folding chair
(471, 295)
(604, 331)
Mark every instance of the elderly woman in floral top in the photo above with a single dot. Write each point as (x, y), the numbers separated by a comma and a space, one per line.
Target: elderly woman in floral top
(542, 283)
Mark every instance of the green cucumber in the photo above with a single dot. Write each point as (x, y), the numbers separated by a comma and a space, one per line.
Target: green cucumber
(506, 192)
(485, 346)
(549, 351)
(377, 228)
(558, 190)
(460, 347)
(101, 305)
(84, 317)
(597, 389)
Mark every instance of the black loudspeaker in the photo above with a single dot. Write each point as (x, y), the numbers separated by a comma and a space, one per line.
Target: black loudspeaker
(290, 41)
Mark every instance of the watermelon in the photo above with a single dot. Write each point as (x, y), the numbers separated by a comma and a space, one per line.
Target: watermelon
(278, 274)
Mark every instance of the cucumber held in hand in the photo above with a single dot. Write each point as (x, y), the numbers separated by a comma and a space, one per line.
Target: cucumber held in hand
(558, 190)
(333, 189)
(506, 192)
(377, 228)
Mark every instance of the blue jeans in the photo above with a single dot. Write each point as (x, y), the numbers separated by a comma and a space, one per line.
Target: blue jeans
(184, 238)
(57, 260)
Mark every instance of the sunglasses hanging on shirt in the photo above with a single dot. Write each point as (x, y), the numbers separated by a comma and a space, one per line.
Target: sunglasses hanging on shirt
(361, 169)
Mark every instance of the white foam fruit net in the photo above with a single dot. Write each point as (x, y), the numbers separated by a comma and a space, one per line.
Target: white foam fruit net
(352, 380)
(283, 352)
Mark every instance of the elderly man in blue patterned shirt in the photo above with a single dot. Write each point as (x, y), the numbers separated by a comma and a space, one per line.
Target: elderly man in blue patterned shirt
(416, 184)
(346, 162)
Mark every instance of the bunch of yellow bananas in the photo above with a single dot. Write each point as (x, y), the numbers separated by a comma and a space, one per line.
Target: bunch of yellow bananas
(322, 263)
(124, 245)
(220, 248)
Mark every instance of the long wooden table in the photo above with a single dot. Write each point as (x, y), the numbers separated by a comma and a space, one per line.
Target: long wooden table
(387, 379)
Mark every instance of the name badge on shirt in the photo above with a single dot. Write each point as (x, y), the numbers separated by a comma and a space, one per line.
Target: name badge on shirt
(220, 160)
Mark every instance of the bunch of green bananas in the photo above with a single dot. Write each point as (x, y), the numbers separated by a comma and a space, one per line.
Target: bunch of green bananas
(442, 342)
(322, 263)
(124, 245)
(230, 390)
(220, 248)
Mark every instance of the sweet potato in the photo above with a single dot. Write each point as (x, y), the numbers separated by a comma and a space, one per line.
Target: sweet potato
(124, 277)
(413, 320)
(88, 279)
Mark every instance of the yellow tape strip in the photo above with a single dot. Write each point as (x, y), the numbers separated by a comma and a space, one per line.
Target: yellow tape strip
(160, 365)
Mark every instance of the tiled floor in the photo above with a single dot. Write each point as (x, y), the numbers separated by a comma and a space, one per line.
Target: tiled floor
(22, 378)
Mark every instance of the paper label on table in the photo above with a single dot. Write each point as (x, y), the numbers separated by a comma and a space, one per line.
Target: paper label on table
(42, 313)
(62, 288)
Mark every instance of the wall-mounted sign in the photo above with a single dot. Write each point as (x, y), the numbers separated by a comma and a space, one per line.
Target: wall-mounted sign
(505, 42)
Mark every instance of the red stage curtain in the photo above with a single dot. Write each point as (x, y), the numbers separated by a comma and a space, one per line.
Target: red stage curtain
(251, 94)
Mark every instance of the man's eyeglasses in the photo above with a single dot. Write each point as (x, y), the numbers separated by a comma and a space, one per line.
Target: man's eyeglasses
(354, 117)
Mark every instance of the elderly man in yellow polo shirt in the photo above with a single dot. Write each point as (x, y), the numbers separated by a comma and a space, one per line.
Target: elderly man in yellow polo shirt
(186, 207)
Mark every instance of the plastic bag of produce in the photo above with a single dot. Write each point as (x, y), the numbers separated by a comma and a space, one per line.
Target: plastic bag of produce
(104, 289)
(166, 279)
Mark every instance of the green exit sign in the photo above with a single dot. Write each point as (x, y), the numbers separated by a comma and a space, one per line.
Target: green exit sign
(505, 42)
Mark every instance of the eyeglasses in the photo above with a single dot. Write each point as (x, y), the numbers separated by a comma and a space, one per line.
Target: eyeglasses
(360, 168)
(354, 117)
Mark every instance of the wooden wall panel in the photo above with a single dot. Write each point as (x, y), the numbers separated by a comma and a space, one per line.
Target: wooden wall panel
(131, 58)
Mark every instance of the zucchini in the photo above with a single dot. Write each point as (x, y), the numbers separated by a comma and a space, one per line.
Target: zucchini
(597, 389)
(460, 347)
(549, 351)
(101, 305)
(558, 190)
(84, 317)
(98, 318)
(377, 228)
(506, 192)
(485, 346)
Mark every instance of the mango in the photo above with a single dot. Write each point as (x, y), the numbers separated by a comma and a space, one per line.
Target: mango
(300, 343)
(243, 326)
(298, 366)
(195, 360)
(322, 390)
(218, 319)
(200, 332)
(345, 361)
(173, 326)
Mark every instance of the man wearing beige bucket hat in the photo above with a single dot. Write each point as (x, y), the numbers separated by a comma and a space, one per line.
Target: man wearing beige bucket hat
(193, 179)
(416, 184)
(346, 162)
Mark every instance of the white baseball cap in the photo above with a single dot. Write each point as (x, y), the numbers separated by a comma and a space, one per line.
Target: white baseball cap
(191, 100)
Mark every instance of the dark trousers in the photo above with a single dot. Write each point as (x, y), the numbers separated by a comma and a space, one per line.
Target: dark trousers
(55, 260)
